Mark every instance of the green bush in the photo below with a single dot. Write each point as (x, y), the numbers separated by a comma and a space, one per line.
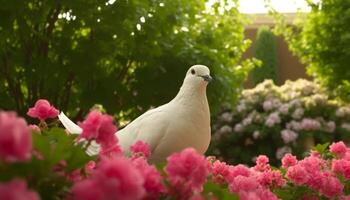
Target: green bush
(126, 55)
(321, 39)
(266, 51)
(274, 120)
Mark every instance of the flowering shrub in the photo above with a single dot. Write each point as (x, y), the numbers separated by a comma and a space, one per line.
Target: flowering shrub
(55, 166)
(275, 120)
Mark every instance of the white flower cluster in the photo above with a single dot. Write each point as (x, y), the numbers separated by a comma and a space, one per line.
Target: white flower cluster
(294, 111)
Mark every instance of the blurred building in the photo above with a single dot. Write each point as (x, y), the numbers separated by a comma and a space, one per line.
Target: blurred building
(289, 66)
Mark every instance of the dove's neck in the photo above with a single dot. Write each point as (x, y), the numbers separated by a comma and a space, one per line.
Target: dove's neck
(191, 95)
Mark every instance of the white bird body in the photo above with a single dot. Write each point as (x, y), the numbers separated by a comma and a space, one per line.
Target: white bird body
(181, 123)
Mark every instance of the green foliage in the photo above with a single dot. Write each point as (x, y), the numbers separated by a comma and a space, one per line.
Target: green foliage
(321, 39)
(214, 190)
(265, 49)
(127, 55)
(321, 148)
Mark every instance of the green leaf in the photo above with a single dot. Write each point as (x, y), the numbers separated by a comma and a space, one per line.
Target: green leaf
(77, 158)
(321, 148)
(221, 193)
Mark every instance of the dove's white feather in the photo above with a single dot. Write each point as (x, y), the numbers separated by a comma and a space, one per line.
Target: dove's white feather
(69, 125)
(181, 123)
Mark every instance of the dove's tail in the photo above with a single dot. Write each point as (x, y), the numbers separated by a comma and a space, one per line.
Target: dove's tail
(69, 125)
(73, 128)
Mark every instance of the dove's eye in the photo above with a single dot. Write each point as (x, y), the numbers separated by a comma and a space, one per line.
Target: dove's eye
(192, 71)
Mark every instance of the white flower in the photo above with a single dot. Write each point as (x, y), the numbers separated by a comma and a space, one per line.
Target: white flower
(342, 111)
(256, 134)
(284, 109)
(288, 136)
(309, 124)
(294, 125)
(307, 90)
(238, 128)
(268, 105)
(346, 126)
(241, 107)
(225, 129)
(330, 127)
(282, 151)
(226, 117)
(247, 121)
(273, 119)
(298, 113)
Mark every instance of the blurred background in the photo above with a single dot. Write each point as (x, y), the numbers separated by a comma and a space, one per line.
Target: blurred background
(281, 67)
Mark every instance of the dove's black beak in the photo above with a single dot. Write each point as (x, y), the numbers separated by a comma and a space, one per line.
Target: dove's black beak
(207, 78)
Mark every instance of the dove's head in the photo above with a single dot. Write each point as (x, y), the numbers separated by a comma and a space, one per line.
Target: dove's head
(198, 75)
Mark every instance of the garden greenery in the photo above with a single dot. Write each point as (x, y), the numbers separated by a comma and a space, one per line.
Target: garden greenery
(321, 39)
(265, 49)
(275, 120)
(126, 55)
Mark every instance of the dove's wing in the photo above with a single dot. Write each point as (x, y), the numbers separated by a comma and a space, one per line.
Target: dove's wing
(149, 127)
(69, 125)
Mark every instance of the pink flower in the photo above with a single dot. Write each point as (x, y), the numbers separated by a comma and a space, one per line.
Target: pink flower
(271, 178)
(238, 170)
(17, 190)
(15, 138)
(74, 176)
(187, 171)
(198, 197)
(331, 186)
(245, 183)
(297, 174)
(90, 167)
(289, 160)
(342, 167)
(312, 164)
(115, 178)
(262, 160)
(42, 110)
(220, 171)
(262, 163)
(34, 128)
(338, 148)
(140, 149)
(153, 179)
(110, 151)
(87, 190)
(100, 127)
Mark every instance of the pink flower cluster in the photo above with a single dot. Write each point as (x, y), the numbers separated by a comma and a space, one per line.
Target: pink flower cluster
(100, 127)
(16, 189)
(319, 174)
(248, 183)
(115, 176)
(15, 138)
(187, 172)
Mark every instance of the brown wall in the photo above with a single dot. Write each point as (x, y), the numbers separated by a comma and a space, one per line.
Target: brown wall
(289, 66)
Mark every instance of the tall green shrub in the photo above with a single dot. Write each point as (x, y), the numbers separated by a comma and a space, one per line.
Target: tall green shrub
(265, 49)
(321, 39)
(126, 55)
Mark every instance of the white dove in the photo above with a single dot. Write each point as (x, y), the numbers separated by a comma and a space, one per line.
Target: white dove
(181, 123)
